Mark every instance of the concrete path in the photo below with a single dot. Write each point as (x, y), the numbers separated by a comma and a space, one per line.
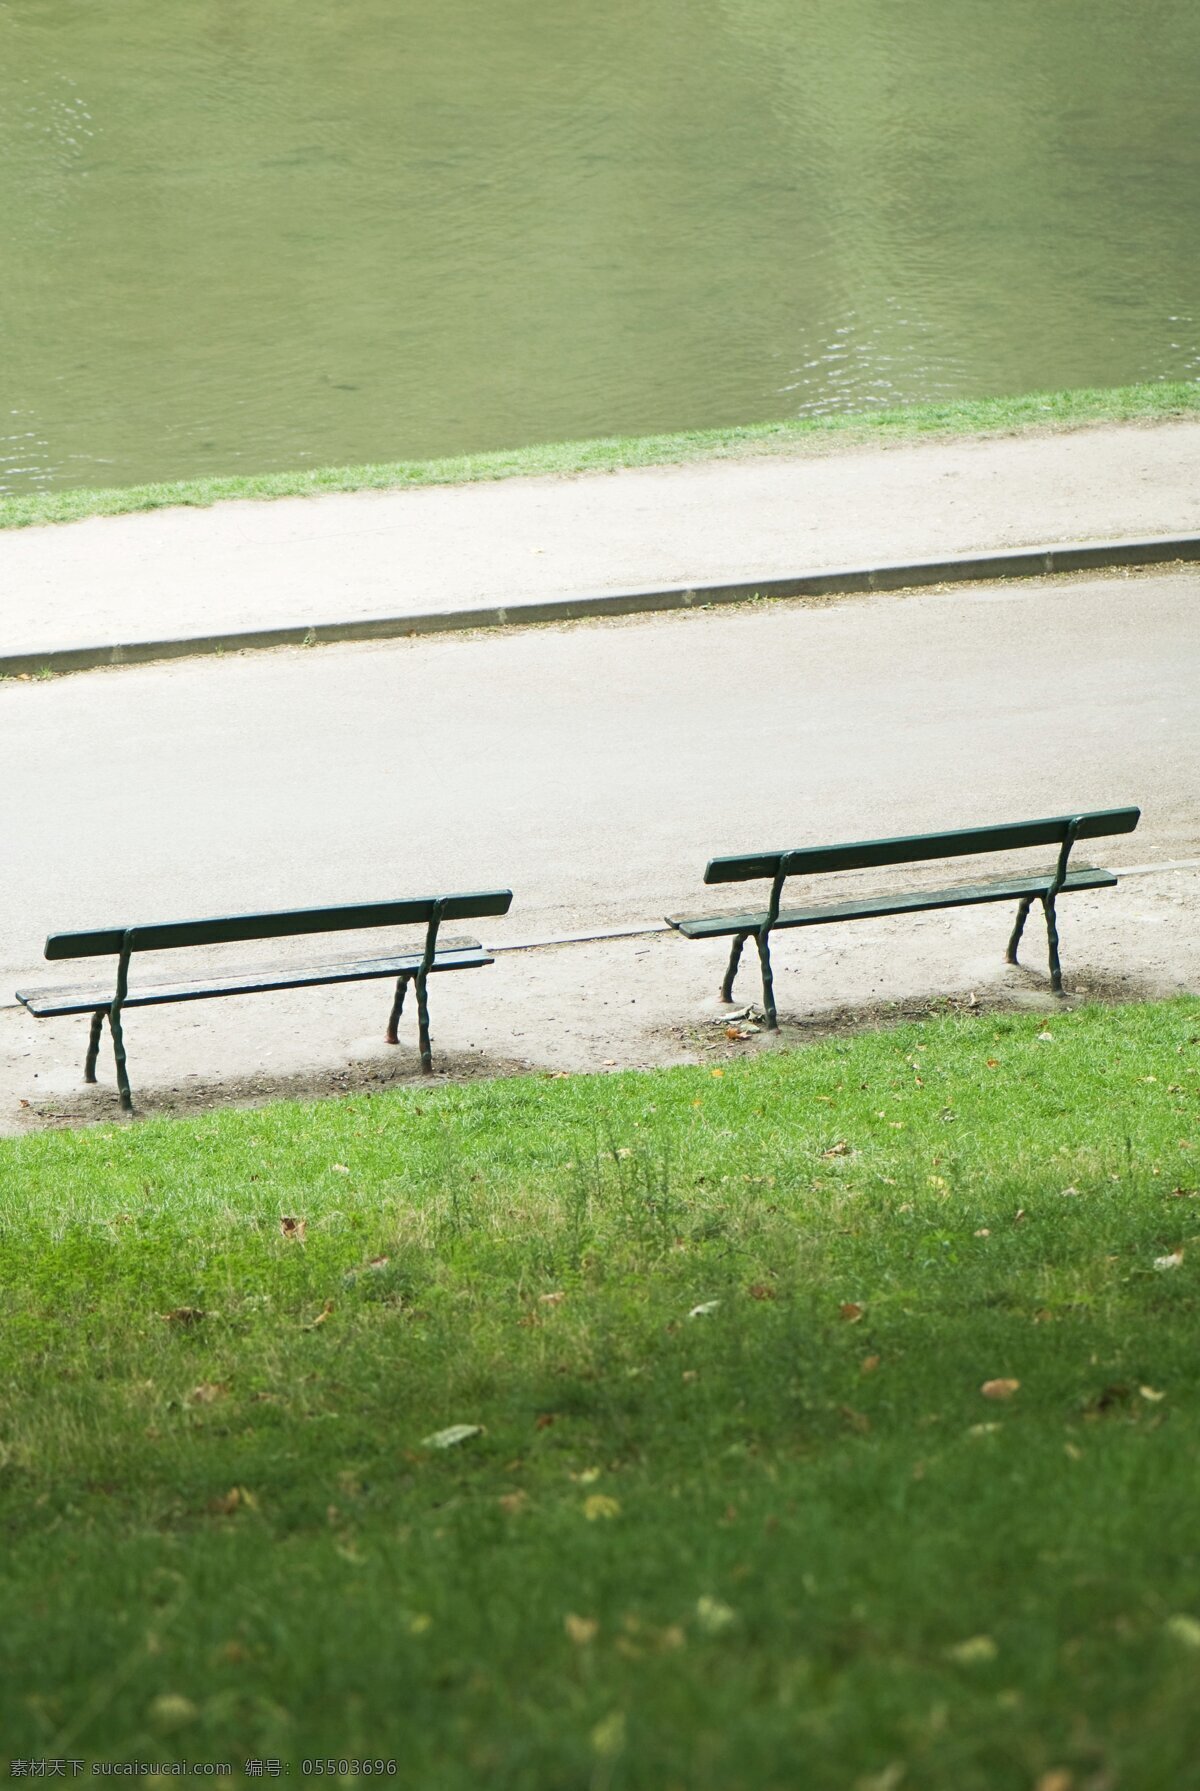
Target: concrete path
(594, 768)
(308, 561)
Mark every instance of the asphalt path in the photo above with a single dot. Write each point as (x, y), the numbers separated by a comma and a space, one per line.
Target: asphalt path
(339, 558)
(594, 768)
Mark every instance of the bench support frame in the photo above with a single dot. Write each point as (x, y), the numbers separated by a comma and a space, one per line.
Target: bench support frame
(1048, 908)
(420, 977)
(113, 1015)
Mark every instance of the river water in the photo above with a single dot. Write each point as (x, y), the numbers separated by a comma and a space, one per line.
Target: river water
(244, 235)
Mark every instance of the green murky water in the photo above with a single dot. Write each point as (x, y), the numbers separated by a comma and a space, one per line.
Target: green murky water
(243, 235)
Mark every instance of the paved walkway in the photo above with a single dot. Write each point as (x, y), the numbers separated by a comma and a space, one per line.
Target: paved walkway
(308, 561)
(594, 769)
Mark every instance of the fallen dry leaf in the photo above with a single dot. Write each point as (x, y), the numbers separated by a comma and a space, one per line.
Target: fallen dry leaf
(208, 1391)
(513, 1502)
(760, 1291)
(1059, 1778)
(1185, 1629)
(339, 1168)
(1001, 1389)
(599, 1505)
(713, 1616)
(973, 1651)
(451, 1436)
(238, 1498)
(294, 1228)
(839, 1148)
(322, 1315)
(170, 1710)
(869, 1364)
(366, 1268)
(183, 1315)
(551, 1299)
(608, 1737)
(581, 1630)
(544, 1420)
(851, 1311)
(858, 1421)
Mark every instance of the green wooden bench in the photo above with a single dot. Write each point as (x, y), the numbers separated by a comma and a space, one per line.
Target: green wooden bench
(1044, 886)
(414, 965)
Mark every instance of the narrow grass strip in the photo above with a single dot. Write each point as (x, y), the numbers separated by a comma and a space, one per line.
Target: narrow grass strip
(829, 1418)
(1158, 401)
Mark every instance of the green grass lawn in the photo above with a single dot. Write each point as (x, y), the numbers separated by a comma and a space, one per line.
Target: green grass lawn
(739, 1512)
(1153, 401)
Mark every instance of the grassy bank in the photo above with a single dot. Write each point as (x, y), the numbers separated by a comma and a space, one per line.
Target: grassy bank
(839, 1424)
(1156, 402)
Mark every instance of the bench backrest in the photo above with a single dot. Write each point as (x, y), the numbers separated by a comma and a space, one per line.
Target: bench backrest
(914, 848)
(226, 929)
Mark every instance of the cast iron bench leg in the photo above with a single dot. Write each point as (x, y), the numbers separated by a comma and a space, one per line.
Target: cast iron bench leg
(1052, 941)
(1010, 956)
(768, 987)
(423, 1026)
(114, 1020)
(393, 1037)
(735, 954)
(93, 1050)
(118, 1039)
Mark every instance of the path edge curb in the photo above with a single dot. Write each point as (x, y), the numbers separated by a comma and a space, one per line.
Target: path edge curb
(975, 568)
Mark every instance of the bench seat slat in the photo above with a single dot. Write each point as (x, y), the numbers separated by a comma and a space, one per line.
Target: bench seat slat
(995, 889)
(452, 954)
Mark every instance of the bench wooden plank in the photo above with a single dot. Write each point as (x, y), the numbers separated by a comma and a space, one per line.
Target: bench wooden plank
(998, 889)
(454, 954)
(228, 929)
(962, 842)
